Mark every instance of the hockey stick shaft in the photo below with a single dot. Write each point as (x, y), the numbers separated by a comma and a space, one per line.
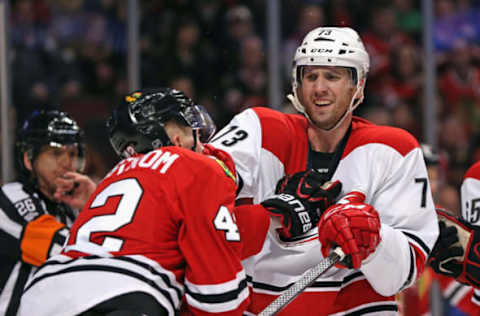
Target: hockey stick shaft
(293, 291)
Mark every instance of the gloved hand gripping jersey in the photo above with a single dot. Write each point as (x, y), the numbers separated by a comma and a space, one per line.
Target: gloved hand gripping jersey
(300, 200)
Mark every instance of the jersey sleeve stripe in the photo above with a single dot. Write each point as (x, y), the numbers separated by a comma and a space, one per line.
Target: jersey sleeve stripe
(169, 278)
(219, 302)
(10, 226)
(153, 267)
(218, 297)
(277, 290)
(419, 251)
(411, 272)
(217, 288)
(123, 272)
(373, 308)
(416, 240)
(23, 275)
(160, 280)
(457, 293)
(352, 276)
(476, 296)
(221, 297)
(265, 286)
(319, 285)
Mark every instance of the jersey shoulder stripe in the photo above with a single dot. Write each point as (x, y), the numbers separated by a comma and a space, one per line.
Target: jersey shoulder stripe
(364, 132)
(473, 171)
(14, 191)
(281, 126)
(284, 135)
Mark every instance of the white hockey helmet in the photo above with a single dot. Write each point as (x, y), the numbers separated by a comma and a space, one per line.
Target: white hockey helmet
(331, 46)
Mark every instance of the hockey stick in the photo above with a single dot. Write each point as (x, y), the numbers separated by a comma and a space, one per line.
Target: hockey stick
(293, 291)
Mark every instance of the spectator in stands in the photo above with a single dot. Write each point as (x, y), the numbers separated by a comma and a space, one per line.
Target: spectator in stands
(310, 16)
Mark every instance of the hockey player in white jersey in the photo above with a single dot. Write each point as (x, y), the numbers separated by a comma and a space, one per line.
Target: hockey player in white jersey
(383, 164)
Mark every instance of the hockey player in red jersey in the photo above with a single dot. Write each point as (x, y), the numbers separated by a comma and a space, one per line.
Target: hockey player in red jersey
(159, 229)
(389, 234)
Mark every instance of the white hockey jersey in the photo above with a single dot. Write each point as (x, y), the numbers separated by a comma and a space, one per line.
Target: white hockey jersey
(385, 163)
(470, 201)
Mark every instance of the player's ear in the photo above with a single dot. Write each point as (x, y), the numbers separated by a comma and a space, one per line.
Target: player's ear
(176, 140)
(172, 131)
(27, 162)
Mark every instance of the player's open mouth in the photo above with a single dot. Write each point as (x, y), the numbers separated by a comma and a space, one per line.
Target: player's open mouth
(323, 103)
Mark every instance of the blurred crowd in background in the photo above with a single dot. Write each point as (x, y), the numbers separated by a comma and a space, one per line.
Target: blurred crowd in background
(71, 55)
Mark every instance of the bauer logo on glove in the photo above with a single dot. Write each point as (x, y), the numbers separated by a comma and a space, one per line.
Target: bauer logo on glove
(300, 201)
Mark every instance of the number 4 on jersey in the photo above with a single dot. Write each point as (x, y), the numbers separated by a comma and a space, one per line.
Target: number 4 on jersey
(224, 221)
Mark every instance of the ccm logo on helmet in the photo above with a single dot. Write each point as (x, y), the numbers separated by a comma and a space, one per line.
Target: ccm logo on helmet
(321, 50)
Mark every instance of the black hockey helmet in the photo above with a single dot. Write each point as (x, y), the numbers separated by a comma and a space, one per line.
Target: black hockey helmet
(49, 128)
(430, 155)
(137, 125)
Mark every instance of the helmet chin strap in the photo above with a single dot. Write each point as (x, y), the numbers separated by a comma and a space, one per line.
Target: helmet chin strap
(350, 109)
(194, 133)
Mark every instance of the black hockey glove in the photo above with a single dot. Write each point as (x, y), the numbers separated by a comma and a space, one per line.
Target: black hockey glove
(456, 252)
(300, 200)
(442, 258)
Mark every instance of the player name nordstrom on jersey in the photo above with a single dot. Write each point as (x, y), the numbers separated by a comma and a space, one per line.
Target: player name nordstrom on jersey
(155, 160)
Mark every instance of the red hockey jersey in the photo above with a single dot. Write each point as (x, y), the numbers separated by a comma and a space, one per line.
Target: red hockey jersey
(159, 223)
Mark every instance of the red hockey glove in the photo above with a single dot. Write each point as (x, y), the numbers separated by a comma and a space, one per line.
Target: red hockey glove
(300, 201)
(457, 250)
(354, 226)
